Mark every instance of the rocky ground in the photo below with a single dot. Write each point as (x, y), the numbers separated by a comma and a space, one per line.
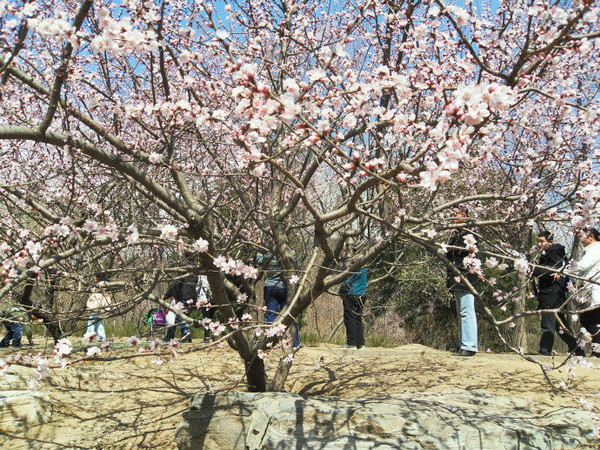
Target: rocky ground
(135, 403)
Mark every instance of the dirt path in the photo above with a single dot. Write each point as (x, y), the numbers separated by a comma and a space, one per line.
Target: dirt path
(136, 404)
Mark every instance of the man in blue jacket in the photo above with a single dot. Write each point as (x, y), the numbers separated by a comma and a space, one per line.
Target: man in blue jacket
(353, 296)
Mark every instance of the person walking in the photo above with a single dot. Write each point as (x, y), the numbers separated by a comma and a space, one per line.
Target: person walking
(97, 303)
(353, 296)
(589, 267)
(551, 295)
(275, 291)
(182, 295)
(460, 239)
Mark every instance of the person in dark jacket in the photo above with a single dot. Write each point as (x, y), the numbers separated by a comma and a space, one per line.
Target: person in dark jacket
(465, 300)
(551, 295)
(183, 295)
(353, 296)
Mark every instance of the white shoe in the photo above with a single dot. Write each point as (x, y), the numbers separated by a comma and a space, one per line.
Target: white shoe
(348, 347)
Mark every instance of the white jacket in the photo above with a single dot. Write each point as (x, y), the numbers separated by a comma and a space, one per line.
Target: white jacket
(203, 289)
(98, 300)
(589, 267)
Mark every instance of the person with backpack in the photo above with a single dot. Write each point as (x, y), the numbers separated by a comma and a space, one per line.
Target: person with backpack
(552, 295)
(12, 319)
(182, 295)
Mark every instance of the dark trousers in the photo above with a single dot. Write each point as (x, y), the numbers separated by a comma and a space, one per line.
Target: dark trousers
(591, 322)
(184, 327)
(550, 326)
(275, 301)
(353, 311)
(15, 332)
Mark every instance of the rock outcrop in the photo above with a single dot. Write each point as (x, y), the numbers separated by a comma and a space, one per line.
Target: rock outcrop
(21, 409)
(452, 420)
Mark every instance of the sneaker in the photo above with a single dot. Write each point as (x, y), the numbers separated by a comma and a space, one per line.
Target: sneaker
(361, 347)
(348, 347)
(462, 352)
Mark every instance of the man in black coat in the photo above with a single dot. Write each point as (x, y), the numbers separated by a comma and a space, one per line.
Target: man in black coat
(551, 295)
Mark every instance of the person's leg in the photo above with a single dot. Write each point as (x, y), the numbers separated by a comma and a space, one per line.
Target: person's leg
(591, 322)
(360, 331)
(99, 327)
(468, 321)
(281, 297)
(91, 325)
(271, 303)
(349, 321)
(17, 330)
(170, 334)
(9, 334)
(184, 328)
(548, 326)
(27, 332)
(457, 303)
(567, 336)
(548, 323)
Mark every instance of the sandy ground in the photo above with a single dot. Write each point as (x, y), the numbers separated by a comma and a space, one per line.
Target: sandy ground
(135, 403)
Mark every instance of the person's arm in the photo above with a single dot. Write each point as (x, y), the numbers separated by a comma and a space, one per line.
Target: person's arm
(107, 301)
(361, 280)
(554, 261)
(588, 261)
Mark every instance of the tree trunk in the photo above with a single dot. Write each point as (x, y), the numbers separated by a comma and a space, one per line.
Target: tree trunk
(518, 338)
(49, 319)
(256, 375)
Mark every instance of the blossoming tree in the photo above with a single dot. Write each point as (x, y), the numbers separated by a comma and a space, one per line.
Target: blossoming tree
(148, 129)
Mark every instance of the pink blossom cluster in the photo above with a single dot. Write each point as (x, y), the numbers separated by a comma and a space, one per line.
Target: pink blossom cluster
(473, 103)
(63, 347)
(56, 28)
(235, 267)
(119, 37)
(93, 352)
(216, 327)
(168, 232)
(275, 330)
